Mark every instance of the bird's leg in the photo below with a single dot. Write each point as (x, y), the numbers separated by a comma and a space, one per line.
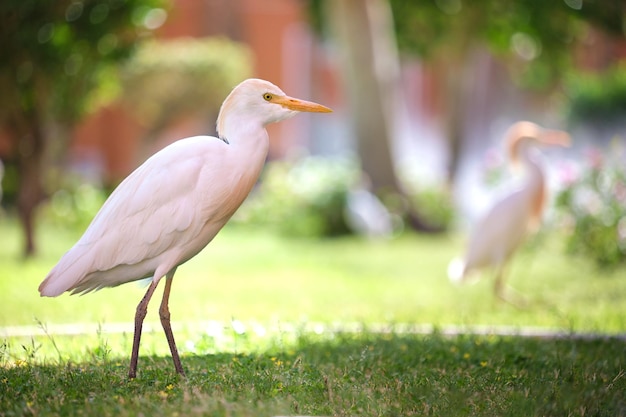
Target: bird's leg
(164, 314)
(499, 290)
(142, 310)
(498, 287)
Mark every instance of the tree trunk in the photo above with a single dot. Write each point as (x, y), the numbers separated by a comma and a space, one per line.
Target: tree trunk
(454, 92)
(370, 68)
(353, 27)
(30, 156)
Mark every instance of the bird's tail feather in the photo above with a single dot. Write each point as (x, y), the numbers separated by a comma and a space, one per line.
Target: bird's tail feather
(65, 275)
(456, 270)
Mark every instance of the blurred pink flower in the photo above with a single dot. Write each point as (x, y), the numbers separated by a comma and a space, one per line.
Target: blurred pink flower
(567, 174)
(594, 158)
(619, 191)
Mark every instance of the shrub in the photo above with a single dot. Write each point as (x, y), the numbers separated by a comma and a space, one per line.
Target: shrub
(169, 80)
(435, 205)
(312, 196)
(303, 198)
(592, 206)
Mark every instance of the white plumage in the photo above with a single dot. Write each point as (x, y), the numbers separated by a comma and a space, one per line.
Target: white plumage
(174, 204)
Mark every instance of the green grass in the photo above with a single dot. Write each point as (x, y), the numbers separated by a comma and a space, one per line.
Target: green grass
(285, 287)
(366, 374)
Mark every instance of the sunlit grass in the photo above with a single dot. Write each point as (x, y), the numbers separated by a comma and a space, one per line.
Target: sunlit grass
(253, 275)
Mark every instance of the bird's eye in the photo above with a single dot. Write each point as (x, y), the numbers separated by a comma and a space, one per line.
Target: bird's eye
(268, 96)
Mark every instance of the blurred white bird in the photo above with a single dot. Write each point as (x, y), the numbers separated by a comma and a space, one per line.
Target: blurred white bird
(174, 204)
(501, 231)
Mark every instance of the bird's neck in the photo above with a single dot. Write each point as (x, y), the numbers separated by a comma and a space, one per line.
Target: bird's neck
(239, 130)
(249, 142)
(245, 136)
(244, 158)
(532, 165)
(535, 182)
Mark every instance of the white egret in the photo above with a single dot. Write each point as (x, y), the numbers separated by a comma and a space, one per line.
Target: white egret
(504, 227)
(174, 204)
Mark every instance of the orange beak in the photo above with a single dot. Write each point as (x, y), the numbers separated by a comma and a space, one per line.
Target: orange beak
(555, 137)
(300, 105)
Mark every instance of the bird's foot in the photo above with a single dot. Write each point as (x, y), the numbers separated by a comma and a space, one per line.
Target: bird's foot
(513, 298)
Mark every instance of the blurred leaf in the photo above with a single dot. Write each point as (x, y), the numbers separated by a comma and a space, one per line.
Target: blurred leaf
(597, 98)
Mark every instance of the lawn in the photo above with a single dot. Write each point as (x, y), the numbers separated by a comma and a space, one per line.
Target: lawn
(269, 325)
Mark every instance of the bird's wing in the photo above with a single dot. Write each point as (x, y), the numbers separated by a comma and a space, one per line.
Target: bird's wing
(500, 231)
(157, 206)
(148, 211)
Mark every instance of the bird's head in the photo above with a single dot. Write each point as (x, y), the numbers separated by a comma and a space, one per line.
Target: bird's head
(523, 135)
(261, 102)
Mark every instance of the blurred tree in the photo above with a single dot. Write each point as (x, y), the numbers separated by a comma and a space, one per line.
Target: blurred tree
(363, 30)
(535, 38)
(57, 61)
(169, 80)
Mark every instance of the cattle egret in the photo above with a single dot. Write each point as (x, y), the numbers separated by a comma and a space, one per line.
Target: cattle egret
(501, 231)
(174, 204)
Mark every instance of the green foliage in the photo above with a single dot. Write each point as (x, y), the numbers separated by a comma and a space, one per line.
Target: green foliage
(536, 37)
(303, 198)
(168, 80)
(593, 207)
(598, 98)
(533, 35)
(56, 55)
